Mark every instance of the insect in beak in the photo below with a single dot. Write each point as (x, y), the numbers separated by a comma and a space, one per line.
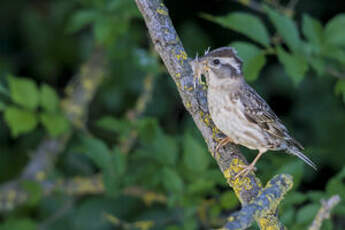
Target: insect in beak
(199, 66)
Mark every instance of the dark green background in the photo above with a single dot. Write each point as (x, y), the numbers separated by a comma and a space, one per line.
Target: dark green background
(36, 43)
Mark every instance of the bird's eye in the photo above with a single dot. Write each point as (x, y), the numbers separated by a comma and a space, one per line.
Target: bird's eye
(216, 62)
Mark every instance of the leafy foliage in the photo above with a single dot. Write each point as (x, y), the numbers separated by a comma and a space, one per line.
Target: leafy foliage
(152, 167)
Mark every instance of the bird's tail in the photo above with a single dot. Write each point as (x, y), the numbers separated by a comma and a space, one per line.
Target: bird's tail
(294, 151)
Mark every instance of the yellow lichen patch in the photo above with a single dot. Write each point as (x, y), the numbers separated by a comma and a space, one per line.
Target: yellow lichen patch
(231, 218)
(178, 84)
(151, 197)
(245, 2)
(181, 56)
(40, 176)
(88, 84)
(144, 225)
(214, 133)
(268, 224)
(188, 104)
(240, 183)
(162, 11)
(112, 219)
(11, 195)
(206, 120)
(178, 75)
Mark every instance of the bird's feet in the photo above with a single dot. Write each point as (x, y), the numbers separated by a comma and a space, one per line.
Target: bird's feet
(223, 142)
(246, 169)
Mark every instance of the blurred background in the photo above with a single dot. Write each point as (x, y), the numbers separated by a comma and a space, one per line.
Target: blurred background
(93, 134)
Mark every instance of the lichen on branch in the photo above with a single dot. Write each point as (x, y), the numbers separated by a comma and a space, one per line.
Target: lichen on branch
(168, 45)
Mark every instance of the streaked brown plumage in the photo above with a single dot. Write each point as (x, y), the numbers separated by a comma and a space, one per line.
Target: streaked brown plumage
(239, 111)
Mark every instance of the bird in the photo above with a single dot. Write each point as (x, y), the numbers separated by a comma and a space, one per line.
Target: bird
(239, 111)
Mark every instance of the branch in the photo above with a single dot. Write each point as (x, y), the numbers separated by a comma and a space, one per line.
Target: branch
(80, 92)
(12, 194)
(168, 45)
(288, 10)
(324, 212)
(262, 206)
(135, 113)
(252, 4)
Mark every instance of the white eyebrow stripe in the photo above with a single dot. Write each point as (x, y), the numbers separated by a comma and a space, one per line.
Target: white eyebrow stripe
(231, 61)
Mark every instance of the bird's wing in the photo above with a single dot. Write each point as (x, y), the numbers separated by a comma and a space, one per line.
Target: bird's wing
(257, 111)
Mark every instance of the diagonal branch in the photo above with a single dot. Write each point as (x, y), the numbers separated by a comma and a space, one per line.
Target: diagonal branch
(168, 45)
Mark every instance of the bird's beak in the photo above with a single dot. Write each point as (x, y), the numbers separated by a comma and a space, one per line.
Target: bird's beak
(199, 66)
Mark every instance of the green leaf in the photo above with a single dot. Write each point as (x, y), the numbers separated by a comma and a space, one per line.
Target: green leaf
(24, 92)
(195, 156)
(295, 65)
(306, 214)
(336, 185)
(80, 19)
(148, 129)
(244, 23)
(19, 224)
(171, 180)
(114, 124)
(97, 151)
(316, 196)
(334, 31)
(285, 27)
(3, 90)
(340, 88)
(253, 59)
(165, 149)
(89, 214)
(228, 200)
(2, 106)
(318, 64)
(34, 191)
(146, 61)
(119, 162)
(49, 98)
(20, 120)
(288, 216)
(106, 29)
(55, 124)
(313, 31)
(295, 198)
(200, 186)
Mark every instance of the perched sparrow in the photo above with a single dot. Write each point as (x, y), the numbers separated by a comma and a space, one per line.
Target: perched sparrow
(239, 111)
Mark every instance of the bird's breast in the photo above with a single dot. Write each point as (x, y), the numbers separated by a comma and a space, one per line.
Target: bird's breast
(227, 112)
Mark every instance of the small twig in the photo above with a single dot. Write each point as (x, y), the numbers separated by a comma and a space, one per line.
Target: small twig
(143, 225)
(56, 216)
(292, 4)
(147, 196)
(289, 10)
(335, 73)
(136, 112)
(324, 212)
(252, 4)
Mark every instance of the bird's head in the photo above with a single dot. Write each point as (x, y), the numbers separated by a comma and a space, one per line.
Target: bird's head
(220, 66)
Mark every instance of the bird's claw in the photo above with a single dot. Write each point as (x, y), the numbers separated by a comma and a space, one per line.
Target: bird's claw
(246, 169)
(223, 142)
